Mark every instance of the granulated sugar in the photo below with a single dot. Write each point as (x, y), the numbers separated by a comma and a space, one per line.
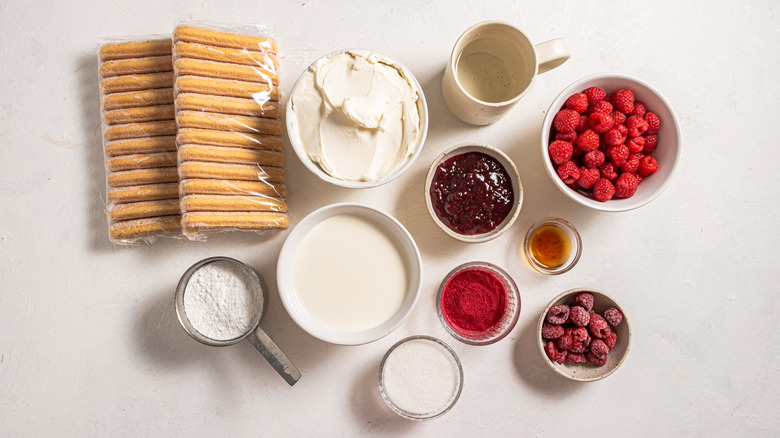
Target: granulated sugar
(222, 299)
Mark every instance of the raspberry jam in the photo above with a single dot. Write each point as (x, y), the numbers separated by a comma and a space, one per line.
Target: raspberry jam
(471, 193)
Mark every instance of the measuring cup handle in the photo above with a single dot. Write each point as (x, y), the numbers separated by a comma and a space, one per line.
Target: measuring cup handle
(275, 356)
(551, 54)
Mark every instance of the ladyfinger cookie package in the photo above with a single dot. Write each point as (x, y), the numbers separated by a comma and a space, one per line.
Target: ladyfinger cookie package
(139, 139)
(228, 114)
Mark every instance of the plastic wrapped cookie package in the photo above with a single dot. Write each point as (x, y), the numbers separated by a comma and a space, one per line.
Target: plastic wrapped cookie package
(230, 152)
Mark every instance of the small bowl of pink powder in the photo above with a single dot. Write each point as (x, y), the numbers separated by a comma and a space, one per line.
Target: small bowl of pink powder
(478, 303)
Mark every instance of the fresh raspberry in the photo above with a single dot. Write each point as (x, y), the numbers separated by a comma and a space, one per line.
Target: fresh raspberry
(595, 361)
(631, 164)
(585, 300)
(651, 142)
(608, 171)
(577, 152)
(565, 341)
(611, 340)
(613, 316)
(603, 190)
(623, 100)
(636, 126)
(551, 331)
(579, 334)
(598, 326)
(566, 136)
(566, 120)
(569, 172)
(653, 123)
(601, 106)
(583, 124)
(601, 122)
(553, 353)
(619, 117)
(575, 358)
(560, 151)
(577, 102)
(558, 314)
(616, 136)
(593, 159)
(626, 185)
(618, 154)
(647, 166)
(599, 349)
(636, 144)
(588, 177)
(639, 109)
(579, 316)
(594, 94)
(588, 140)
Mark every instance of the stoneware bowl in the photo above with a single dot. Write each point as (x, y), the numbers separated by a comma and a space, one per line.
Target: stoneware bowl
(585, 372)
(517, 188)
(669, 140)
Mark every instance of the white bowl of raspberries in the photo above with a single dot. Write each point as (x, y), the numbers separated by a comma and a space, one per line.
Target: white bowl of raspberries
(611, 142)
(584, 335)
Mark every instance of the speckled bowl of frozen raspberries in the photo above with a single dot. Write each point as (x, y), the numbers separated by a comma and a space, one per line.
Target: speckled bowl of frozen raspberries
(611, 142)
(584, 335)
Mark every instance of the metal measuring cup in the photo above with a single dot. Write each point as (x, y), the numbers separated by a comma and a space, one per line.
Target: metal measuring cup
(262, 342)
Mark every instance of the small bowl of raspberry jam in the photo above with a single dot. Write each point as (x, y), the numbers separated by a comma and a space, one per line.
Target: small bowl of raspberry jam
(473, 192)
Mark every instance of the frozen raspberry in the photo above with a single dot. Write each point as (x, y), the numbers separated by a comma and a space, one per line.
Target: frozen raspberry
(575, 358)
(579, 316)
(653, 123)
(577, 102)
(611, 340)
(566, 120)
(603, 190)
(551, 331)
(631, 165)
(612, 316)
(583, 124)
(595, 361)
(647, 166)
(618, 117)
(651, 142)
(608, 171)
(618, 154)
(594, 94)
(553, 353)
(599, 349)
(588, 140)
(558, 314)
(616, 136)
(639, 109)
(623, 100)
(580, 346)
(588, 177)
(598, 326)
(569, 172)
(593, 159)
(579, 334)
(560, 151)
(601, 106)
(626, 185)
(601, 122)
(636, 145)
(636, 126)
(565, 341)
(584, 299)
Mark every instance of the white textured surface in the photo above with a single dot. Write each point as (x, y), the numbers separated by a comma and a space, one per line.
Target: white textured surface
(89, 342)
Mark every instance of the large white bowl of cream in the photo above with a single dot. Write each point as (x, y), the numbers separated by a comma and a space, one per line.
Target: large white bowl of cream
(357, 118)
(349, 274)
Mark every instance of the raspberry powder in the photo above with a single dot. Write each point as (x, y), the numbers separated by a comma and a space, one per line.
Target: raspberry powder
(474, 300)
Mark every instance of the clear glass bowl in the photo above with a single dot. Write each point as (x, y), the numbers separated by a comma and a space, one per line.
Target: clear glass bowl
(575, 243)
(504, 325)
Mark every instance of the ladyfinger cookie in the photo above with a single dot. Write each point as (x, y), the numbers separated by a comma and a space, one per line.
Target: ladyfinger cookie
(143, 176)
(228, 122)
(225, 187)
(143, 209)
(192, 203)
(225, 54)
(135, 66)
(135, 49)
(223, 87)
(199, 222)
(243, 172)
(145, 129)
(127, 231)
(227, 105)
(141, 145)
(223, 70)
(219, 154)
(147, 192)
(229, 139)
(148, 81)
(141, 161)
(139, 114)
(223, 39)
(129, 99)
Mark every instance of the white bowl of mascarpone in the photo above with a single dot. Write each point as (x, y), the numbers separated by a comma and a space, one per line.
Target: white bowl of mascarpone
(357, 119)
(349, 274)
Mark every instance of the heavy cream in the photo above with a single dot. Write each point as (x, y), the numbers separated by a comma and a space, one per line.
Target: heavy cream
(357, 115)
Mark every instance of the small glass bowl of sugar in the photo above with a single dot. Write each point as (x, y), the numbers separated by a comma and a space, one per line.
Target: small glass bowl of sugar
(420, 378)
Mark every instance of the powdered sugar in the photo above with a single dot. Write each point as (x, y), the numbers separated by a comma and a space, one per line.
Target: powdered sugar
(222, 300)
